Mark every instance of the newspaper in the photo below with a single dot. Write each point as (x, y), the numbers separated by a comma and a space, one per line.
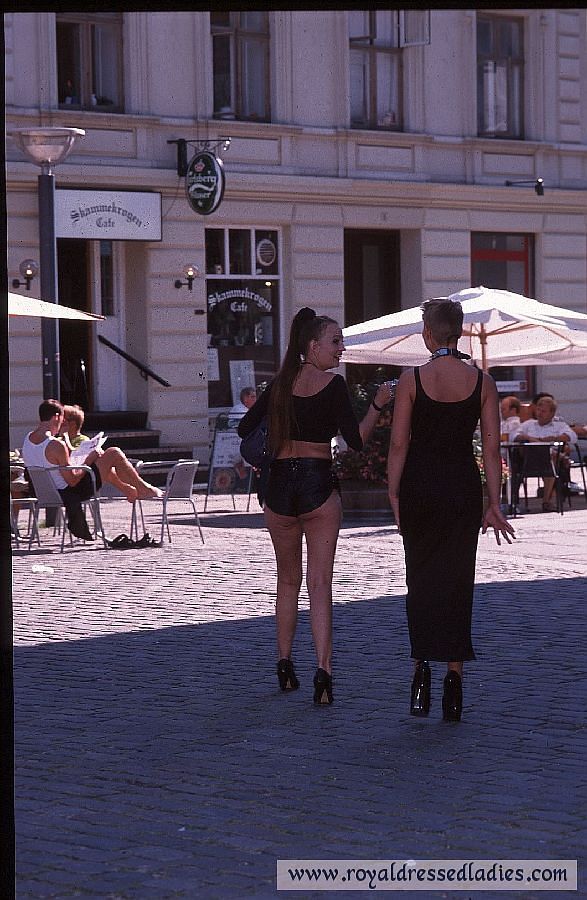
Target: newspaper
(78, 456)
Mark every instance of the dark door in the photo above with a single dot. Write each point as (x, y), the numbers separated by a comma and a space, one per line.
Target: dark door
(371, 288)
(75, 337)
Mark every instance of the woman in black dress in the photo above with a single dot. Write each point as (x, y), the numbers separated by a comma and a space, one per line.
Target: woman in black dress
(436, 496)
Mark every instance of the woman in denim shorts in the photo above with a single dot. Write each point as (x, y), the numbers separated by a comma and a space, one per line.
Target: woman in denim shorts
(306, 405)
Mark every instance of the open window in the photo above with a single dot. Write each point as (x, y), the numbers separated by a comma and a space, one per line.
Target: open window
(376, 77)
(240, 59)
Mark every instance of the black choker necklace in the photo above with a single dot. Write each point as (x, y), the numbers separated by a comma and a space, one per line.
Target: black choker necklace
(449, 351)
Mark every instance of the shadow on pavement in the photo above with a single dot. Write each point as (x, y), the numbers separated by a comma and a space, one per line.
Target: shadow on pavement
(162, 763)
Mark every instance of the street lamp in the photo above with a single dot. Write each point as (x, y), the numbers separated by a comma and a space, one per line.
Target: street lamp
(47, 147)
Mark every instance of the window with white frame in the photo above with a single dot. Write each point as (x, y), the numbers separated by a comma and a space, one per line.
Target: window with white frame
(377, 39)
(500, 73)
(242, 290)
(89, 61)
(240, 60)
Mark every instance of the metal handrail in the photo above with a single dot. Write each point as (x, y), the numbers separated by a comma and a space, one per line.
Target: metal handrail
(145, 371)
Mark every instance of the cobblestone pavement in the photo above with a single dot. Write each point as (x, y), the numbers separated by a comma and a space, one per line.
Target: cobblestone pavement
(156, 757)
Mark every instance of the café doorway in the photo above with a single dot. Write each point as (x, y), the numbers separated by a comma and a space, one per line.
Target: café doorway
(75, 338)
(372, 288)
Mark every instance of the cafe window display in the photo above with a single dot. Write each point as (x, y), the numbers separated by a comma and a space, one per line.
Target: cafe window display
(242, 289)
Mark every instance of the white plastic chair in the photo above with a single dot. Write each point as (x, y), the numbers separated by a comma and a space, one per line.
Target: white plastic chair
(48, 497)
(18, 501)
(179, 486)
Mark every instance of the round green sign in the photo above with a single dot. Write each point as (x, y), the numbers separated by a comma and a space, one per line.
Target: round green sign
(204, 183)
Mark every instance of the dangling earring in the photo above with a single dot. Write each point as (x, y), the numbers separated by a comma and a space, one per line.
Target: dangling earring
(302, 359)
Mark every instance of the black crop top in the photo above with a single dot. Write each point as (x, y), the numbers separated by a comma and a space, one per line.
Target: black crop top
(319, 418)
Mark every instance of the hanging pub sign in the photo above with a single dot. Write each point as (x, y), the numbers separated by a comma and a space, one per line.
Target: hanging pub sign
(204, 182)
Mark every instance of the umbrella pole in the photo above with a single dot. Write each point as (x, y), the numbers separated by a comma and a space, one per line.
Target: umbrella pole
(483, 342)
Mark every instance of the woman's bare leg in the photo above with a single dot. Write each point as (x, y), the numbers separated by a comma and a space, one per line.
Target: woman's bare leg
(115, 468)
(286, 535)
(548, 489)
(321, 527)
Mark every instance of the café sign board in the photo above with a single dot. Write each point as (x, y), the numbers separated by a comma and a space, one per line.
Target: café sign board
(204, 182)
(108, 215)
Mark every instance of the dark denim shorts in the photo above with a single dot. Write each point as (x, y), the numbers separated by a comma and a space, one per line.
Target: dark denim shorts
(299, 485)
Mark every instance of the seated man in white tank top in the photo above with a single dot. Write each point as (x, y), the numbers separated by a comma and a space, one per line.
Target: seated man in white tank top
(42, 448)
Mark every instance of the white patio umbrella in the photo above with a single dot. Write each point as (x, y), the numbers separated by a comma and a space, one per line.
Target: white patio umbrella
(19, 305)
(500, 328)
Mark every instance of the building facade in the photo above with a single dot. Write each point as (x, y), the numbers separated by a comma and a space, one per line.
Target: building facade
(366, 171)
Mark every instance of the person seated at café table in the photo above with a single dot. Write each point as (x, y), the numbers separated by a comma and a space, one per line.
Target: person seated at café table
(41, 448)
(73, 422)
(545, 428)
(528, 410)
(248, 397)
(510, 417)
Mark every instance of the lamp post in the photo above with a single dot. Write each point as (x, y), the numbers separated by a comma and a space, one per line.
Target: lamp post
(47, 147)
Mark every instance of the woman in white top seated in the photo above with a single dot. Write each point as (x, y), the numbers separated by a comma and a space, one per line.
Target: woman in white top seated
(546, 429)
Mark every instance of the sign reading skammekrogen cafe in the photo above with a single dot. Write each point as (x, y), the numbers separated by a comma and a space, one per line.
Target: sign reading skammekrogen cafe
(108, 215)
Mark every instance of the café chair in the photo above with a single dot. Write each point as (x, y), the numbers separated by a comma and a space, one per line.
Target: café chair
(580, 463)
(179, 485)
(535, 461)
(48, 497)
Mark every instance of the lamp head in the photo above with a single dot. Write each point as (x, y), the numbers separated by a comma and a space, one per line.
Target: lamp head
(190, 272)
(28, 268)
(539, 187)
(46, 147)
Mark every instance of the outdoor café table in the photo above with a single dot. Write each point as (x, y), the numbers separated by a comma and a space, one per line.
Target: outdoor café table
(515, 450)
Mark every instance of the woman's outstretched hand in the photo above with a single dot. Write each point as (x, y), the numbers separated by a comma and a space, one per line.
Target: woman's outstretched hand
(494, 518)
(394, 503)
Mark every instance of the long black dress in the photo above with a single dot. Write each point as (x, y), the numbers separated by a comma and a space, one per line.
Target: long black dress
(441, 508)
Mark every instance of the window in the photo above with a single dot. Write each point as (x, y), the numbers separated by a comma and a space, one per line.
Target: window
(240, 55)
(242, 288)
(376, 38)
(375, 70)
(89, 61)
(506, 262)
(500, 68)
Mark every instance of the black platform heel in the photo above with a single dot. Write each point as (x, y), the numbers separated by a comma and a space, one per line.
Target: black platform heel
(452, 699)
(420, 695)
(322, 687)
(286, 674)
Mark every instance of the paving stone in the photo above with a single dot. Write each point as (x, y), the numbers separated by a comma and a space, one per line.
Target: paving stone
(156, 756)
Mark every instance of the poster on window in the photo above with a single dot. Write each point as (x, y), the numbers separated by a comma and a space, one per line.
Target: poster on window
(229, 473)
(242, 375)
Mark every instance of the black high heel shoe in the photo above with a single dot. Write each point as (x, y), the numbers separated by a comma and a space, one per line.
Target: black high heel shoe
(452, 699)
(420, 695)
(322, 687)
(286, 674)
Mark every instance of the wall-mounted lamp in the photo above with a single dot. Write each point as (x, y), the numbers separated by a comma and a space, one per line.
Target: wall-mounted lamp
(537, 182)
(28, 269)
(190, 273)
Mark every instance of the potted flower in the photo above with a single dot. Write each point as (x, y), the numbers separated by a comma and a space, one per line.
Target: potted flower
(363, 473)
(478, 451)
